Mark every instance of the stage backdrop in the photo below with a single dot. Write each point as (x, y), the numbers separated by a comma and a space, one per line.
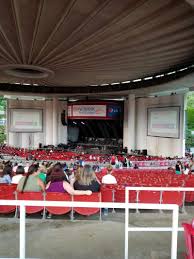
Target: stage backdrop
(92, 110)
(25, 120)
(164, 122)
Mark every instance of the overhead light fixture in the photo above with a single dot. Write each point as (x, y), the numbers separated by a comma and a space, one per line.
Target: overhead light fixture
(170, 73)
(116, 83)
(137, 80)
(161, 75)
(125, 82)
(82, 123)
(104, 84)
(148, 78)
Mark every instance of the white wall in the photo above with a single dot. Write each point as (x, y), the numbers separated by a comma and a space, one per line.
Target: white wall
(158, 145)
(32, 140)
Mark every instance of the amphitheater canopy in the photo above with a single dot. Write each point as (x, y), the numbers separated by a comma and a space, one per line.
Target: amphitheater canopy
(93, 45)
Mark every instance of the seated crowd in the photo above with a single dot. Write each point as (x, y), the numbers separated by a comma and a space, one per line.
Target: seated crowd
(53, 178)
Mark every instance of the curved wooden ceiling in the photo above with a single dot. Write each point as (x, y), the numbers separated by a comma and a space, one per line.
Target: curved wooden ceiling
(93, 42)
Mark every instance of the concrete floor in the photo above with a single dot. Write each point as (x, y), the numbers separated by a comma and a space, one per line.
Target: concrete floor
(88, 238)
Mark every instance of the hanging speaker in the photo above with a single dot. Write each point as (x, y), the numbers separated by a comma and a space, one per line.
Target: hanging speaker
(63, 119)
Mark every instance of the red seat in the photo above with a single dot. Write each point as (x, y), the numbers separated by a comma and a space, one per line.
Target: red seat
(189, 240)
(107, 195)
(8, 195)
(29, 196)
(149, 197)
(56, 196)
(120, 196)
(172, 197)
(95, 197)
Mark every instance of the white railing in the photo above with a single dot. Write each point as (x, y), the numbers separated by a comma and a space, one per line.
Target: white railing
(160, 189)
(23, 203)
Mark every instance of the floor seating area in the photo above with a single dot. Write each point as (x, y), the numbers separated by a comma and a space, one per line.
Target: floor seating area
(60, 155)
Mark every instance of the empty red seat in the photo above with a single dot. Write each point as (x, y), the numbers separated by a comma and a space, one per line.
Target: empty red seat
(172, 197)
(189, 196)
(94, 197)
(8, 195)
(189, 240)
(107, 195)
(120, 196)
(56, 196)
(149, 197)
(30, 196)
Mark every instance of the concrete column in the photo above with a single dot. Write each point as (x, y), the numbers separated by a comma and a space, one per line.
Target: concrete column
(62, 130)
(141, 124)
(55, 124)
(131, 123)
(125, 124)
(49, 122)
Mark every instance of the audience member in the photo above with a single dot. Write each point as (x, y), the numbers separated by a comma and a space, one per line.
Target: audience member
(18, 174)
(179, 167)
(58, 183)
(109, 178)
(31, 182)
(5, 174)
(87, 180)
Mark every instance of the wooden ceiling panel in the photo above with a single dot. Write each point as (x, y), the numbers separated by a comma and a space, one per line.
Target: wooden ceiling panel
(92, 42)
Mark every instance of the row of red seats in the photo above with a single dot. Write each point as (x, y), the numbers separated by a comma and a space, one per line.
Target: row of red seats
(39, 196)
(106, 195)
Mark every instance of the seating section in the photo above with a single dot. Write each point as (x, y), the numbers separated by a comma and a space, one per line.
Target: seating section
(61, 155)
(112, 193)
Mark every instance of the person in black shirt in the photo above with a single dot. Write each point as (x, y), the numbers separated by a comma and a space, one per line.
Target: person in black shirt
(87, 180)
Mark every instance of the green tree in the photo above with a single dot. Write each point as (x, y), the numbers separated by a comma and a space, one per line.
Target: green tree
(190, 120)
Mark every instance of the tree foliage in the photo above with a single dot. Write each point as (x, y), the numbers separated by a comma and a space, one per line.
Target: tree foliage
(190, 120)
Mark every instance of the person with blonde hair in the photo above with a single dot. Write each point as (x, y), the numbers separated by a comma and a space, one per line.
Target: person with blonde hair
(58, 183)
(87, 180)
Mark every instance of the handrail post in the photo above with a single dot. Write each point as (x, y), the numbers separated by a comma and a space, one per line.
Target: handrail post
(175, 217)
(22, 231)
(126, 222)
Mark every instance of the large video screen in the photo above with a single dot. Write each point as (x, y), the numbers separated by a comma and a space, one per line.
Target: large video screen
(25, 120)
(164, 122)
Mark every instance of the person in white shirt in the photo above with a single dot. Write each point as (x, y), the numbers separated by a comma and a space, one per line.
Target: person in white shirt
(109, 178)
(19, 174)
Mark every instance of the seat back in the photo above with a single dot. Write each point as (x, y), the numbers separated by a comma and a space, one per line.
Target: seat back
(189, 196)
(149, 197)
(7, 194)
(189, 240)
(172, 197)
(120, 196)
(94, 197)
(107, 195)
(56, 196)
(29, 196)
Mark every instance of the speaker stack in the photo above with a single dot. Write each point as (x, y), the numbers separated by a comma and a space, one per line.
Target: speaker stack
(63, 118)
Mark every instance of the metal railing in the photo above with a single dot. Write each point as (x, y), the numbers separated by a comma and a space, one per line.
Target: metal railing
(174, 208)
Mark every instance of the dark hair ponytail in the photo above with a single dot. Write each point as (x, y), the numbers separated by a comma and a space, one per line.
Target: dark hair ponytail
(32, 169)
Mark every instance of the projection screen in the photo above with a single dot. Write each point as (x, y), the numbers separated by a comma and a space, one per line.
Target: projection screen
(25, 120)
(163, 122)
